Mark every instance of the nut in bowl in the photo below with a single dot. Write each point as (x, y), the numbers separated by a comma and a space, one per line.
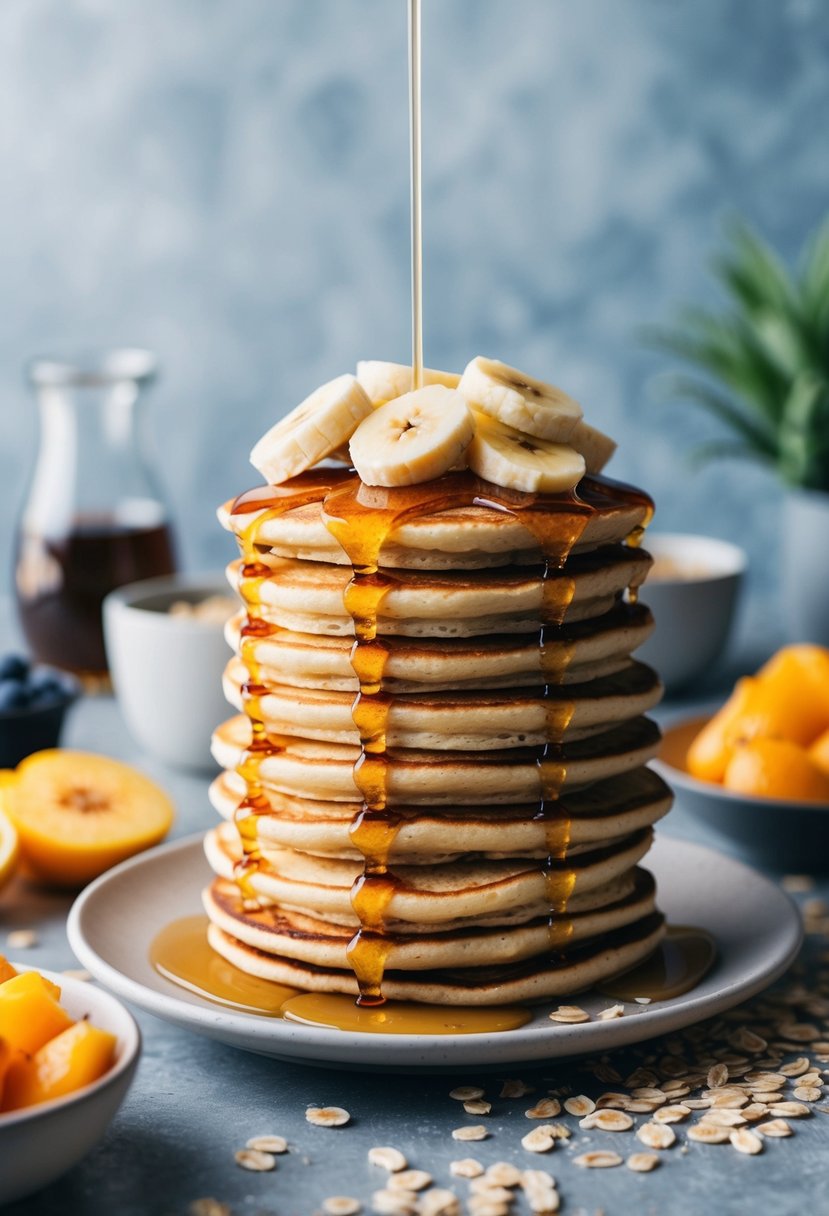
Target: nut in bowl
(758, 769)
(39, 1142)
(166, 651)
(692, 591)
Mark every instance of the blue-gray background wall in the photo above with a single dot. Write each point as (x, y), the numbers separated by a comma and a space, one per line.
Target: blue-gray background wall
(226, 182)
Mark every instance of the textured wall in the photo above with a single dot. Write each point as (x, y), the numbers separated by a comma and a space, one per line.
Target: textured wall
(226, 182)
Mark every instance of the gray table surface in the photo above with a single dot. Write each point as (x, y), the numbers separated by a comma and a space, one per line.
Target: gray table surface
(194, 1102)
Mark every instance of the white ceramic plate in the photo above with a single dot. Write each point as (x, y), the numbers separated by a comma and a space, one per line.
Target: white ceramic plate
(756, 926)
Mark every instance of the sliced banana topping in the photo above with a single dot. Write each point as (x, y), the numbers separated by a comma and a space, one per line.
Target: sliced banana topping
(414, 438)
(518, 400)
(519, 461)
(318, 426)
(594, 445)
(385, 381)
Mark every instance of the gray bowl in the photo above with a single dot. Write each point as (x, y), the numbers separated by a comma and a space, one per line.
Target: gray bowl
(773, 832)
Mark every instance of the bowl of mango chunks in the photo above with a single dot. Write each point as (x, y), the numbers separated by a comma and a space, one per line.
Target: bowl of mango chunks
(68, 1053)
(757, 770)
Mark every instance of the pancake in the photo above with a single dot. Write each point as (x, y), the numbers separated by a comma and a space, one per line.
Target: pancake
(480, 891)
(311, 769)
(580, 651)
(462, 721)
(307, 597)
(537, 978)
(460, 538)
(600, 812)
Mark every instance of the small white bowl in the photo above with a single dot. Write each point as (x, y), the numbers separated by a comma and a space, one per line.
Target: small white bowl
(694, 607)
(167, 670)
(40, 1143)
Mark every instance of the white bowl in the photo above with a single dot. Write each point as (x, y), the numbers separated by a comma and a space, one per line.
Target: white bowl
(40, 1143)
(167, 670)
(694, 611)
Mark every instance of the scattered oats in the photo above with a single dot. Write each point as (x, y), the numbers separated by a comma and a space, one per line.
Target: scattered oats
(439, 1202)
(607, 1121)
(774, 1128)
(537, 1179)
(466, 1093)
(479, 1205)
(672, 1114)
(544, 1202)
(717, 1076)
(327, 1116)
(268, 1144)
(676, 1089)
(808, 1093)
(656, 1135)
(504, 1173)
(797, 884)
(754, 1111)
(772, 1079)
(545, 1108)
(744, 1039)
(410, 1180)
(477, 1106)
(791, 1110)
(730, 1101)
(612, 1011)
(612, 1101)
(475, 1131)
(390, 1159)
(569, 1015)
(643, 1000)
(516, 1089)
(209, 1207)
(538, 1140)
(642, 1163)
(495, 1194)
(77, 973)
(253, 1159)
(650, 1093)
(21, 939)
(393, 1203)
(708, 1133)
(746, 1141)
(640, 1106)
(600, 1159)
(799, 1032)
(341, 1205)
(810, 1078)
(606, 1073)
(559, 1131)
(579, 1106)
(723, 1118)
(697, 1103)
(641, 1076)
(467, 1167)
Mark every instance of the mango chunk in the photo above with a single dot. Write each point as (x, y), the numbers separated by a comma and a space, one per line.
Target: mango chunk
(775, 768)
(709, 754)
(7, 971)
(74, 1058)
(30, 1011)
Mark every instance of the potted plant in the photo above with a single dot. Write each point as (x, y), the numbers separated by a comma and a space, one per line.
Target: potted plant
(762, 365)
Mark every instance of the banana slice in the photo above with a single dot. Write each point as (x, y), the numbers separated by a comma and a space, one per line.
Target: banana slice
(385, 381)
(518, 400)
(414, 438)
(318, 426)
(594, 445)
(519, 461)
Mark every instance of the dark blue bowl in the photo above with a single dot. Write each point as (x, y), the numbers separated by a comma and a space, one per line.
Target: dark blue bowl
(35, 727)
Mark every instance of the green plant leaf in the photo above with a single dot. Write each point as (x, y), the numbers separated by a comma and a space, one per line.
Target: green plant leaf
(754, 435)
(727, 449)
(804, 433)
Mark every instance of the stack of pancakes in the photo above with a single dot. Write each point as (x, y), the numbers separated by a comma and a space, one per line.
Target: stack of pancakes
(497, 859)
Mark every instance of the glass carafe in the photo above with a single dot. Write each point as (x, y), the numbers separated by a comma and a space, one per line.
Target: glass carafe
(94, 517)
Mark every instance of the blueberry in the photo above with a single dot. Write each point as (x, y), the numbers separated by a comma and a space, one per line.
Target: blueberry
(44, 688)
(14, 667)
(13, 695)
